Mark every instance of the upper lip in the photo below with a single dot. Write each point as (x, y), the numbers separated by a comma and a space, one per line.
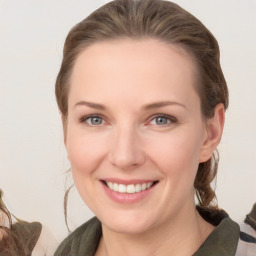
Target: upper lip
(127, 182)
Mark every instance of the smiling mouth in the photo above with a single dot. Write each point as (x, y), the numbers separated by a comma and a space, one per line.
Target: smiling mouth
(129, 189)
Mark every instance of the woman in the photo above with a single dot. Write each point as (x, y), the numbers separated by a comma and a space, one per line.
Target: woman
(143, 99)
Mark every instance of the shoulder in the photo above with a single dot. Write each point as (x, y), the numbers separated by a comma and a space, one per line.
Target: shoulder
(224, 239)
(83, 241)
(227, 239)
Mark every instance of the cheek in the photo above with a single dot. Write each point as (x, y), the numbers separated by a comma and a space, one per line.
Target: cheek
(85, 155)
(177, 156)
(84, 152)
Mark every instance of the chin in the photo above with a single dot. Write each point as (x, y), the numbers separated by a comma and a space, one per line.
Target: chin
(127, 223)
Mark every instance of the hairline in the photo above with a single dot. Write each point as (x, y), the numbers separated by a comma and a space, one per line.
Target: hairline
(179, 47)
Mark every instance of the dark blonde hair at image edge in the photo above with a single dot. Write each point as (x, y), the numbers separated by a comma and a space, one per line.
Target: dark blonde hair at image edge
(166, 22)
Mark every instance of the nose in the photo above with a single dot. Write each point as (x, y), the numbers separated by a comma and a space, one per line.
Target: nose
(126, 149)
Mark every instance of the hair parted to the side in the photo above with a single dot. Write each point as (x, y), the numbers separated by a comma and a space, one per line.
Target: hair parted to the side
(169, 23)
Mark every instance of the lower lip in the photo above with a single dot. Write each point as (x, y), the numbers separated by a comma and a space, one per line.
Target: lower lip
(126, 198)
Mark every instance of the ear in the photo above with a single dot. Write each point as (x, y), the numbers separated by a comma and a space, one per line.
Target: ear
(214, 129)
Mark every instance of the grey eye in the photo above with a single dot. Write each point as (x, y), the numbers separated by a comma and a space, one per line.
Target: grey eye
(95, 120)
(161, 120)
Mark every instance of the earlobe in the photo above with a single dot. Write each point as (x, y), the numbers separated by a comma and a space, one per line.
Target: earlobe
(214, 128)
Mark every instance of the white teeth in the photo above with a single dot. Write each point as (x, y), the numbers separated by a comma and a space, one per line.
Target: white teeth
(110, 185)
(137, 188)
(149, 184)
(131, 188)
(115, 187)
(143, 186)
(122, 188)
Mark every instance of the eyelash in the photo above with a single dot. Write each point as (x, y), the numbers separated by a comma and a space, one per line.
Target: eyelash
(170, 119)
(84, 119)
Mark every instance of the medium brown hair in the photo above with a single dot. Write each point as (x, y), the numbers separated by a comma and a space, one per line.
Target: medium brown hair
(9, 241)
(169, 23)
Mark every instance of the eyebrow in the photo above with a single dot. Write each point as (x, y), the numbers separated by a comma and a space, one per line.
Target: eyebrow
(91, 105)
(146, 107)
(162, 104)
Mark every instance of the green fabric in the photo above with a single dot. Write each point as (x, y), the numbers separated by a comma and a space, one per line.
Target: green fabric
(221, 242)
(21, 239)
(251, 218)
(83, 241)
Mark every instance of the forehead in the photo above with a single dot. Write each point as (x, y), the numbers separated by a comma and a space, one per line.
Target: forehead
(148, 67)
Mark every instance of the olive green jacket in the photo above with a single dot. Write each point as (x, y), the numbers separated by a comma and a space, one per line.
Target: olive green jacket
(223, 241)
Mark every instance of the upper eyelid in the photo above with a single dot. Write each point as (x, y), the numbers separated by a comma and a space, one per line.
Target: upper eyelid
(85, 117)
(172, 118)
(150, 118)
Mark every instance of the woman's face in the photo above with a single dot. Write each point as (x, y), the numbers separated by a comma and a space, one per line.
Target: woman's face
(135, 134)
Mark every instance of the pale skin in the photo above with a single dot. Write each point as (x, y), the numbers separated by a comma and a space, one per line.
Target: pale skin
(134, 115)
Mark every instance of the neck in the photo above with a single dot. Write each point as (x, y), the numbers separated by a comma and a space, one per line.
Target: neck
(182, 236)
